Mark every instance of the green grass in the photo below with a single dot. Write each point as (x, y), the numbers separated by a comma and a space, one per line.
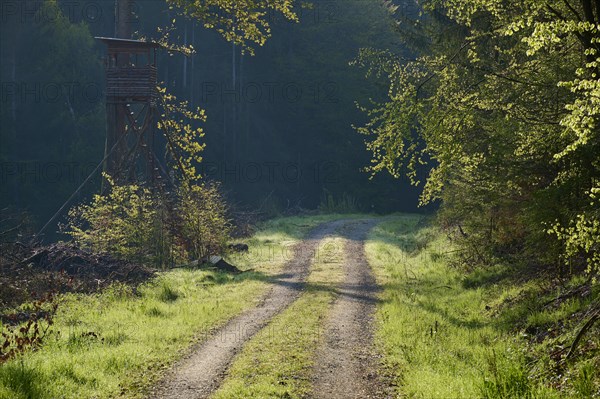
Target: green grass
(118, 342)
(437, 337)
(277, 362)
(444, 333)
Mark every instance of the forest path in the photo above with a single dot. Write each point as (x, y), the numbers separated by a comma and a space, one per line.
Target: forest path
(346, 365)
(199, 374)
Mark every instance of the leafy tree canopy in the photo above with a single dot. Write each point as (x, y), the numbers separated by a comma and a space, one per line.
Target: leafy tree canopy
(243, 22)
(501, 101)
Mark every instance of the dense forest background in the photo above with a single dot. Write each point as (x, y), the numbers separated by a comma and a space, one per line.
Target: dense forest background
(492, 107)
(279, 130)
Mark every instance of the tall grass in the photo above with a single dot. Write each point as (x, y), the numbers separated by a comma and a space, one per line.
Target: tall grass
(117, 342)
(434, 330)
(345, 203)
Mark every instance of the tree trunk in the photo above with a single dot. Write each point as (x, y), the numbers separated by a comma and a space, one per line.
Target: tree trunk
(123, 18)
(116, 113)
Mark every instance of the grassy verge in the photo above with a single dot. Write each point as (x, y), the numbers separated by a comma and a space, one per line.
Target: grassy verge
(446, 333)
(116, 343)
(277, 362)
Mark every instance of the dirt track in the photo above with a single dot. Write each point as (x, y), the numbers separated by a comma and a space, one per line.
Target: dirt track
(198, 375)
(345, 364)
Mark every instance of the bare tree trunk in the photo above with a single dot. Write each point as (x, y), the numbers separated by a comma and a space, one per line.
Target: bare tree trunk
(234, 104)
(185, 60)
(13, 113)
(116, 113)
(193, 73)
(123, 18)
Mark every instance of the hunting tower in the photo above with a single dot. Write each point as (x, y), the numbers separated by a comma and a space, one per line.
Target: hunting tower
(131, 109)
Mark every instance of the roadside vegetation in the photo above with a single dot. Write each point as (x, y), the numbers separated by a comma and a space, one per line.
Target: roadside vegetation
(449, 332)
(135, 223)
(492, 109)
(116, 342)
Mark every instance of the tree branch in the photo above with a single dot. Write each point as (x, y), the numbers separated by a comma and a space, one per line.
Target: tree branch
(573, 10)
(433, 74)
(581, 38)
(581, 332)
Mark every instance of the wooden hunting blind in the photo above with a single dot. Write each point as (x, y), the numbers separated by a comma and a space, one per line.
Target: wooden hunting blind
(131, 73)
(131, 108)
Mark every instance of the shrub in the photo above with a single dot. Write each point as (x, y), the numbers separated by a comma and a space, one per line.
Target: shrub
(580, 237)
(134, 223)
(125, 223)
(202, 220)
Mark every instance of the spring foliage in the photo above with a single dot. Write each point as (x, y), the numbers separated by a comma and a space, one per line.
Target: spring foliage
(500, 101)
(135, 223)
(242, 22)
(143, 223)
(178, 124)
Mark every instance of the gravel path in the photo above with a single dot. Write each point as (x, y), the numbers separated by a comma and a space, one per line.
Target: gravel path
(346, 365)
(198, 375)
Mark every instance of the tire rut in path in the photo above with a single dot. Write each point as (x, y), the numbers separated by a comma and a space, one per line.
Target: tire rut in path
(201, 373)
(346, 365)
